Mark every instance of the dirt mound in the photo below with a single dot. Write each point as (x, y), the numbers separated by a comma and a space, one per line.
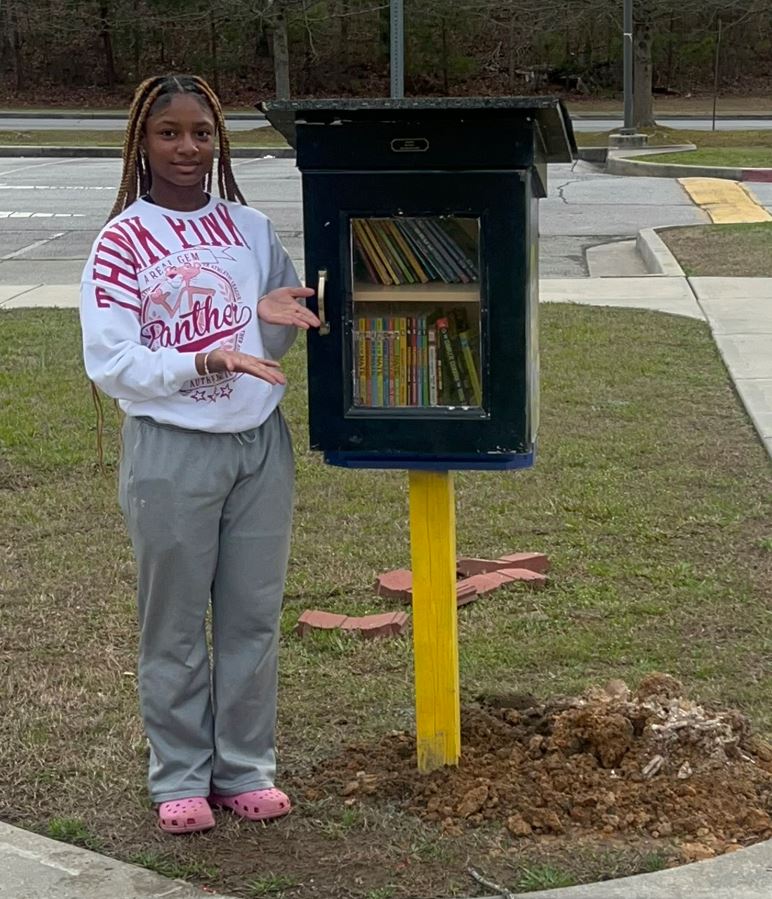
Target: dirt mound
(609, 762)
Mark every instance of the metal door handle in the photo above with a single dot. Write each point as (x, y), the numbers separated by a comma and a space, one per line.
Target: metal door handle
(324, 327)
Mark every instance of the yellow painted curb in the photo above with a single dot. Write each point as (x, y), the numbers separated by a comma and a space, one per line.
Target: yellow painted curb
(726, 202)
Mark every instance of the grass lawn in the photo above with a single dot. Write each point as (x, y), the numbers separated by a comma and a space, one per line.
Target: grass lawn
(755, 141)
(722, 250)
(735, 157)
(256, 137)
(652, 496)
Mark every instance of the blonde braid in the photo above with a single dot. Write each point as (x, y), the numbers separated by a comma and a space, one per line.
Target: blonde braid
(134, 175)
(226, 182)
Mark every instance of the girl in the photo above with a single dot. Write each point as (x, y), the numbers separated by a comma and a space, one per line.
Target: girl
(186, 302)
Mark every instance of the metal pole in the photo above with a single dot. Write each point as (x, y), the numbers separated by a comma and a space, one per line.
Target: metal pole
(715, 77)
(397, 48)
(627, 33)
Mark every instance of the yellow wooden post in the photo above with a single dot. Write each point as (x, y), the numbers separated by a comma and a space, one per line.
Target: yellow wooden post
(435, 631)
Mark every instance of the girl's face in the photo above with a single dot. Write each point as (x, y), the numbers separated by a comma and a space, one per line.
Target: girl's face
(179, 142)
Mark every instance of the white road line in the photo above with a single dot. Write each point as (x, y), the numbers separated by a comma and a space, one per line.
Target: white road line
(33, 246)
(36, 165)
(4, 214)
(54, 187)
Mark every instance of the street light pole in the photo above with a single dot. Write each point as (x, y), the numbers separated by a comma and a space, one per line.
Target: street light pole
(627, 30)
(397, 49)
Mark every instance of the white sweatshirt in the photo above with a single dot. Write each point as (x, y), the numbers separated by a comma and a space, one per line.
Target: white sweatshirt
(162, 285)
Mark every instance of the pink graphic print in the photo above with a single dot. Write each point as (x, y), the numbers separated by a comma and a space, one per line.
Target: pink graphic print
(196, 308)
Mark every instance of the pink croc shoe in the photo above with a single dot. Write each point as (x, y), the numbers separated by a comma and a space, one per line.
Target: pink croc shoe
(185, 815)
(257, 805)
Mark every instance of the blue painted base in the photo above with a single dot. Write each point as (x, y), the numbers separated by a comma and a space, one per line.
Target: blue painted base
(460, 462)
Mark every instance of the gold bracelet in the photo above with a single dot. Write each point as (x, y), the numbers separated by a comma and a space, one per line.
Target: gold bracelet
(206, 367)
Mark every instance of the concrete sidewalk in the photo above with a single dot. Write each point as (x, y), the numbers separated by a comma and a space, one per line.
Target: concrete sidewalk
(35, 867)
(738, 311)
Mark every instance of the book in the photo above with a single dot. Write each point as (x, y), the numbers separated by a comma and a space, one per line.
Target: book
(436, 253)
(460, 245)
(446, 246)
(378, 252)
(403, 366)
(407, 251)
(378, 366)
(449, 354)
(406, 226)
(391, 368)
(432, 364)
(470, 364)
(363, 237)
(400, 265)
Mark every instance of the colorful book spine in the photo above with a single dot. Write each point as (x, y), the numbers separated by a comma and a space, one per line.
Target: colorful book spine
(390, 250)
(452, 251)
(391, 371)
(432, 364)
(471, 367)
(378, 251)
(449, 354)
(447, 268)
(407, 228)
(407, 252)
(403, 365)
(363, 237)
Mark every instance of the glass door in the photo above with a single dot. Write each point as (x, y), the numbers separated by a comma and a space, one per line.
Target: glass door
(416, 322)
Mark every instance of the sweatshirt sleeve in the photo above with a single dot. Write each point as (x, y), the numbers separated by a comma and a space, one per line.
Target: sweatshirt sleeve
(114, 356)
(277, 339)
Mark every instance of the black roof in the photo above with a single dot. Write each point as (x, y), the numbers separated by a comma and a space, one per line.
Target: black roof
(550, 113)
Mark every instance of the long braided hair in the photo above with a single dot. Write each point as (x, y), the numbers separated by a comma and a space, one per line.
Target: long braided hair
(150, 97)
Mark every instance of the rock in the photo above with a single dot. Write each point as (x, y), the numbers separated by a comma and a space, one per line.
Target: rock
(518, 826)
(660, 685)
(696, 852)
(473, 801)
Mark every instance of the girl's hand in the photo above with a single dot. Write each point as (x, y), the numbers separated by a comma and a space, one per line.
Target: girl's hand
(280, 307)
(229, 360)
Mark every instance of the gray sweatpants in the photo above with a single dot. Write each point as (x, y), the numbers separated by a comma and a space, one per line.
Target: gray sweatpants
(209, 517)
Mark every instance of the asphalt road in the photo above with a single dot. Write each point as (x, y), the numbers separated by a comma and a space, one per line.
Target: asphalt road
(26, 123)
(51, 210)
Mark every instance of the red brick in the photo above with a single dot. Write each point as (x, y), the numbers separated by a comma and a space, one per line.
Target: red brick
(396, 584)
(465, 593)
(533, 578)
(468, 567)
(533, 561)
(312, 619)
(485, 583)
(388, 624)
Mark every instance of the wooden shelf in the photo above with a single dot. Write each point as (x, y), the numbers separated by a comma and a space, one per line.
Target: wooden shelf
(416, 293)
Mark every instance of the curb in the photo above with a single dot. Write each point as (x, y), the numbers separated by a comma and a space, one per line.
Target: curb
(117, 152)
(627, 166)
(656, 254)
(597, 155)
(107, 115)
(674, 117)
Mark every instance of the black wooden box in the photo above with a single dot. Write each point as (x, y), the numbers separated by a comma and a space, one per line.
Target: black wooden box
(421, 240)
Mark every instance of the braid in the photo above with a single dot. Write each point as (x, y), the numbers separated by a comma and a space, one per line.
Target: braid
(226, 181)
(135, 175)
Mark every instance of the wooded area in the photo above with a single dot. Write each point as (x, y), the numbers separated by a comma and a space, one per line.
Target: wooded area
(97, 50)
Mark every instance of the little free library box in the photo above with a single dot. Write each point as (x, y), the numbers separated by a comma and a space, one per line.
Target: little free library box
(421, 241)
